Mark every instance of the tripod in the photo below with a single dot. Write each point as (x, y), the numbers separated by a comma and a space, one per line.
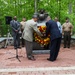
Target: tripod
(17, 57)
(8, 40)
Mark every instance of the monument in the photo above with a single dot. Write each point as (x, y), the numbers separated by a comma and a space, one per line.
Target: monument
(41, 43)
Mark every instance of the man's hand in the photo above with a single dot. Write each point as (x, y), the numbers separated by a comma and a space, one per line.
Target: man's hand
(16, 30)
(43, 35)
(71, 33)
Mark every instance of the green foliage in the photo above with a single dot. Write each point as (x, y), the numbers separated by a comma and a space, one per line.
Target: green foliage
(25, 8)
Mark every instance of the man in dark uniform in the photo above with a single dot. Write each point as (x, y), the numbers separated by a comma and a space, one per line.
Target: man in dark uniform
(67, 32)
(55, 36)
(15, 26)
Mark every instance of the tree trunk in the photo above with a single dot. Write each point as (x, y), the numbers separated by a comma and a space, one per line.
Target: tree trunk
(35, 6)
(70, 8)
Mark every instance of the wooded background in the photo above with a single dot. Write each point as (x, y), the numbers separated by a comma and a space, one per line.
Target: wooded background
(25, 8)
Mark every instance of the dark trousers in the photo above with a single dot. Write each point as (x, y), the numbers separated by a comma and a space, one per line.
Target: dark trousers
(16, 38)
(54, 48)
(22, 40)
(29, 48)
(67, 39)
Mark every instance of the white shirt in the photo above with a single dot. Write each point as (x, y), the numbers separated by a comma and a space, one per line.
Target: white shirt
(59, 26)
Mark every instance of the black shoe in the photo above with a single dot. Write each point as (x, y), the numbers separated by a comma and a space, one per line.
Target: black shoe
(22, 45)
(50, 59)
(32, 58)
(19, 47)
(15, 47)
(68, 47)
(64, 47)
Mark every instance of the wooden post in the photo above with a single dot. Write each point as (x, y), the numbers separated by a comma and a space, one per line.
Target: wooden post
(70, 8)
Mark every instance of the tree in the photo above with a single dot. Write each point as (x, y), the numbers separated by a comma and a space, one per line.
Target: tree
(25, 8)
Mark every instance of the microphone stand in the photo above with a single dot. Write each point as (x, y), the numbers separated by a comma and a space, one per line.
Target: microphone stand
(17, 57)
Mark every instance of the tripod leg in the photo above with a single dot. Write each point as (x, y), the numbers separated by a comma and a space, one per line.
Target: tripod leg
(17, 55)
(7, 39)
(18, 58)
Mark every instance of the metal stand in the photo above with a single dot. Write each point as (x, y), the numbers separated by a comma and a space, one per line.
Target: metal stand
(17, 57)
(8, 39)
